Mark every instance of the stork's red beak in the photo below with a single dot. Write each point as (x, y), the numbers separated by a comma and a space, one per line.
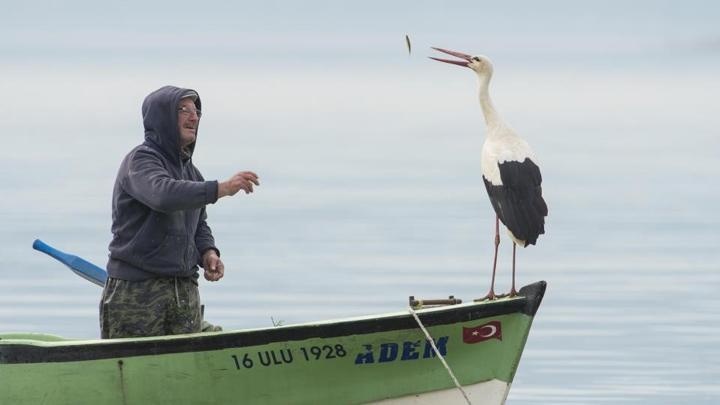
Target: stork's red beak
(467, 58)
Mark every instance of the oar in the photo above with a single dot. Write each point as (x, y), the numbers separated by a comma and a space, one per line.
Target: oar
(95, 274)
(80, 266)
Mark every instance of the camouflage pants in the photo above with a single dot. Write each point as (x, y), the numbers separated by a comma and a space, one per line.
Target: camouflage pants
(154, 307)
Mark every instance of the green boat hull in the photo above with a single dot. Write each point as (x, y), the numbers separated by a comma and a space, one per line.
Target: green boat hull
(347, 361)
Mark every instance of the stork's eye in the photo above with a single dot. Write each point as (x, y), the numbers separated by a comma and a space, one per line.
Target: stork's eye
(476, 59)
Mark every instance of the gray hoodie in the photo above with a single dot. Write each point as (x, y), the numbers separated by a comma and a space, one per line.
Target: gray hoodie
(158, 205)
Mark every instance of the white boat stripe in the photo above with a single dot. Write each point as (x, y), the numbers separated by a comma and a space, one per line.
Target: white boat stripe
(493, 392)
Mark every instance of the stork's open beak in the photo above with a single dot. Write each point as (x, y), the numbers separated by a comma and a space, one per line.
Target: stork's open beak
(467, 58)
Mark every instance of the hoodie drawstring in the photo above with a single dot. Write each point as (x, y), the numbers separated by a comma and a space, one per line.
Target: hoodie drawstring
(177, 295)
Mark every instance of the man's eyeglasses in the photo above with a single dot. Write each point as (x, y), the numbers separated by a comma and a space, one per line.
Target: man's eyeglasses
(189, 111)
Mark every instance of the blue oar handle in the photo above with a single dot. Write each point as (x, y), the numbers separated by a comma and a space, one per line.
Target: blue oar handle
(51, 251)
(80, 266)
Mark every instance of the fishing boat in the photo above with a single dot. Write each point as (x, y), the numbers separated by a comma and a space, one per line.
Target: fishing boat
(427, 354)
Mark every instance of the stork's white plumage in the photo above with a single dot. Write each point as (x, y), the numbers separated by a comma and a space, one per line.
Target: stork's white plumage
(511, 175)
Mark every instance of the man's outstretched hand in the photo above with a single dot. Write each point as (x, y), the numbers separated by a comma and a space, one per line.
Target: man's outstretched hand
(214, 267)
(240, 181)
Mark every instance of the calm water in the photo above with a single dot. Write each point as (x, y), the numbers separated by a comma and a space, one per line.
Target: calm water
(371, 192)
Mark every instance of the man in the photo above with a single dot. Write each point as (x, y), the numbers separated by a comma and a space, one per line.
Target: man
(159, 231)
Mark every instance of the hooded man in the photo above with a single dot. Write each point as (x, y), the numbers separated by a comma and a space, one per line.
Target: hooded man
(160, 234)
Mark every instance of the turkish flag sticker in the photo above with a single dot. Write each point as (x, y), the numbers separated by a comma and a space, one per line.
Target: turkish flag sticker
(490, 330)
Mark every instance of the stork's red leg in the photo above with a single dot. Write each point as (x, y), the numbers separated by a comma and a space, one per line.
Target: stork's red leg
(491, 294)
(512, 290)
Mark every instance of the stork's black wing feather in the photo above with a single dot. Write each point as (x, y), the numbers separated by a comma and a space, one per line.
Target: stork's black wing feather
(518, 202)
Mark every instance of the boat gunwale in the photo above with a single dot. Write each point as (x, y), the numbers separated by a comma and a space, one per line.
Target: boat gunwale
(33, 351)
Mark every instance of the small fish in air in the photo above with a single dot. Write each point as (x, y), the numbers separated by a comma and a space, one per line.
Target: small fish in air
(407, 41)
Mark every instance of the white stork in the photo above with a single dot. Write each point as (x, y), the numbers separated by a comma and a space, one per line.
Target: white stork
(512, 178)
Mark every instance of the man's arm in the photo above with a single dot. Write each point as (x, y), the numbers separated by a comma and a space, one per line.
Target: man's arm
(209, 254)
(204, 239)
(149, 182)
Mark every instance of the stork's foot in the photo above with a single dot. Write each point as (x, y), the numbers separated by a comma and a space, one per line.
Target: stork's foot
(489, 297)
(511, 294)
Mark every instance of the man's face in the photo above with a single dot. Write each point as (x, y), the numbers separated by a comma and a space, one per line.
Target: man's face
(187, 121)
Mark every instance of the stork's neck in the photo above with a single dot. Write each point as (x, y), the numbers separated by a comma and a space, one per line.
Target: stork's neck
(492, 118)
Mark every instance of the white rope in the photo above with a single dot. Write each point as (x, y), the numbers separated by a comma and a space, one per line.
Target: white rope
(439, 356)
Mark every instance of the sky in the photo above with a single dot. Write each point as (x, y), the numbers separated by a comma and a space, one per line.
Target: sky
(249, 33)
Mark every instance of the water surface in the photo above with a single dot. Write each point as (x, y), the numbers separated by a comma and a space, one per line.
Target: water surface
(371, 192)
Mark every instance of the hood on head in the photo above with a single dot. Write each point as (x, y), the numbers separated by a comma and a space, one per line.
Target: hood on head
(160, 119)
